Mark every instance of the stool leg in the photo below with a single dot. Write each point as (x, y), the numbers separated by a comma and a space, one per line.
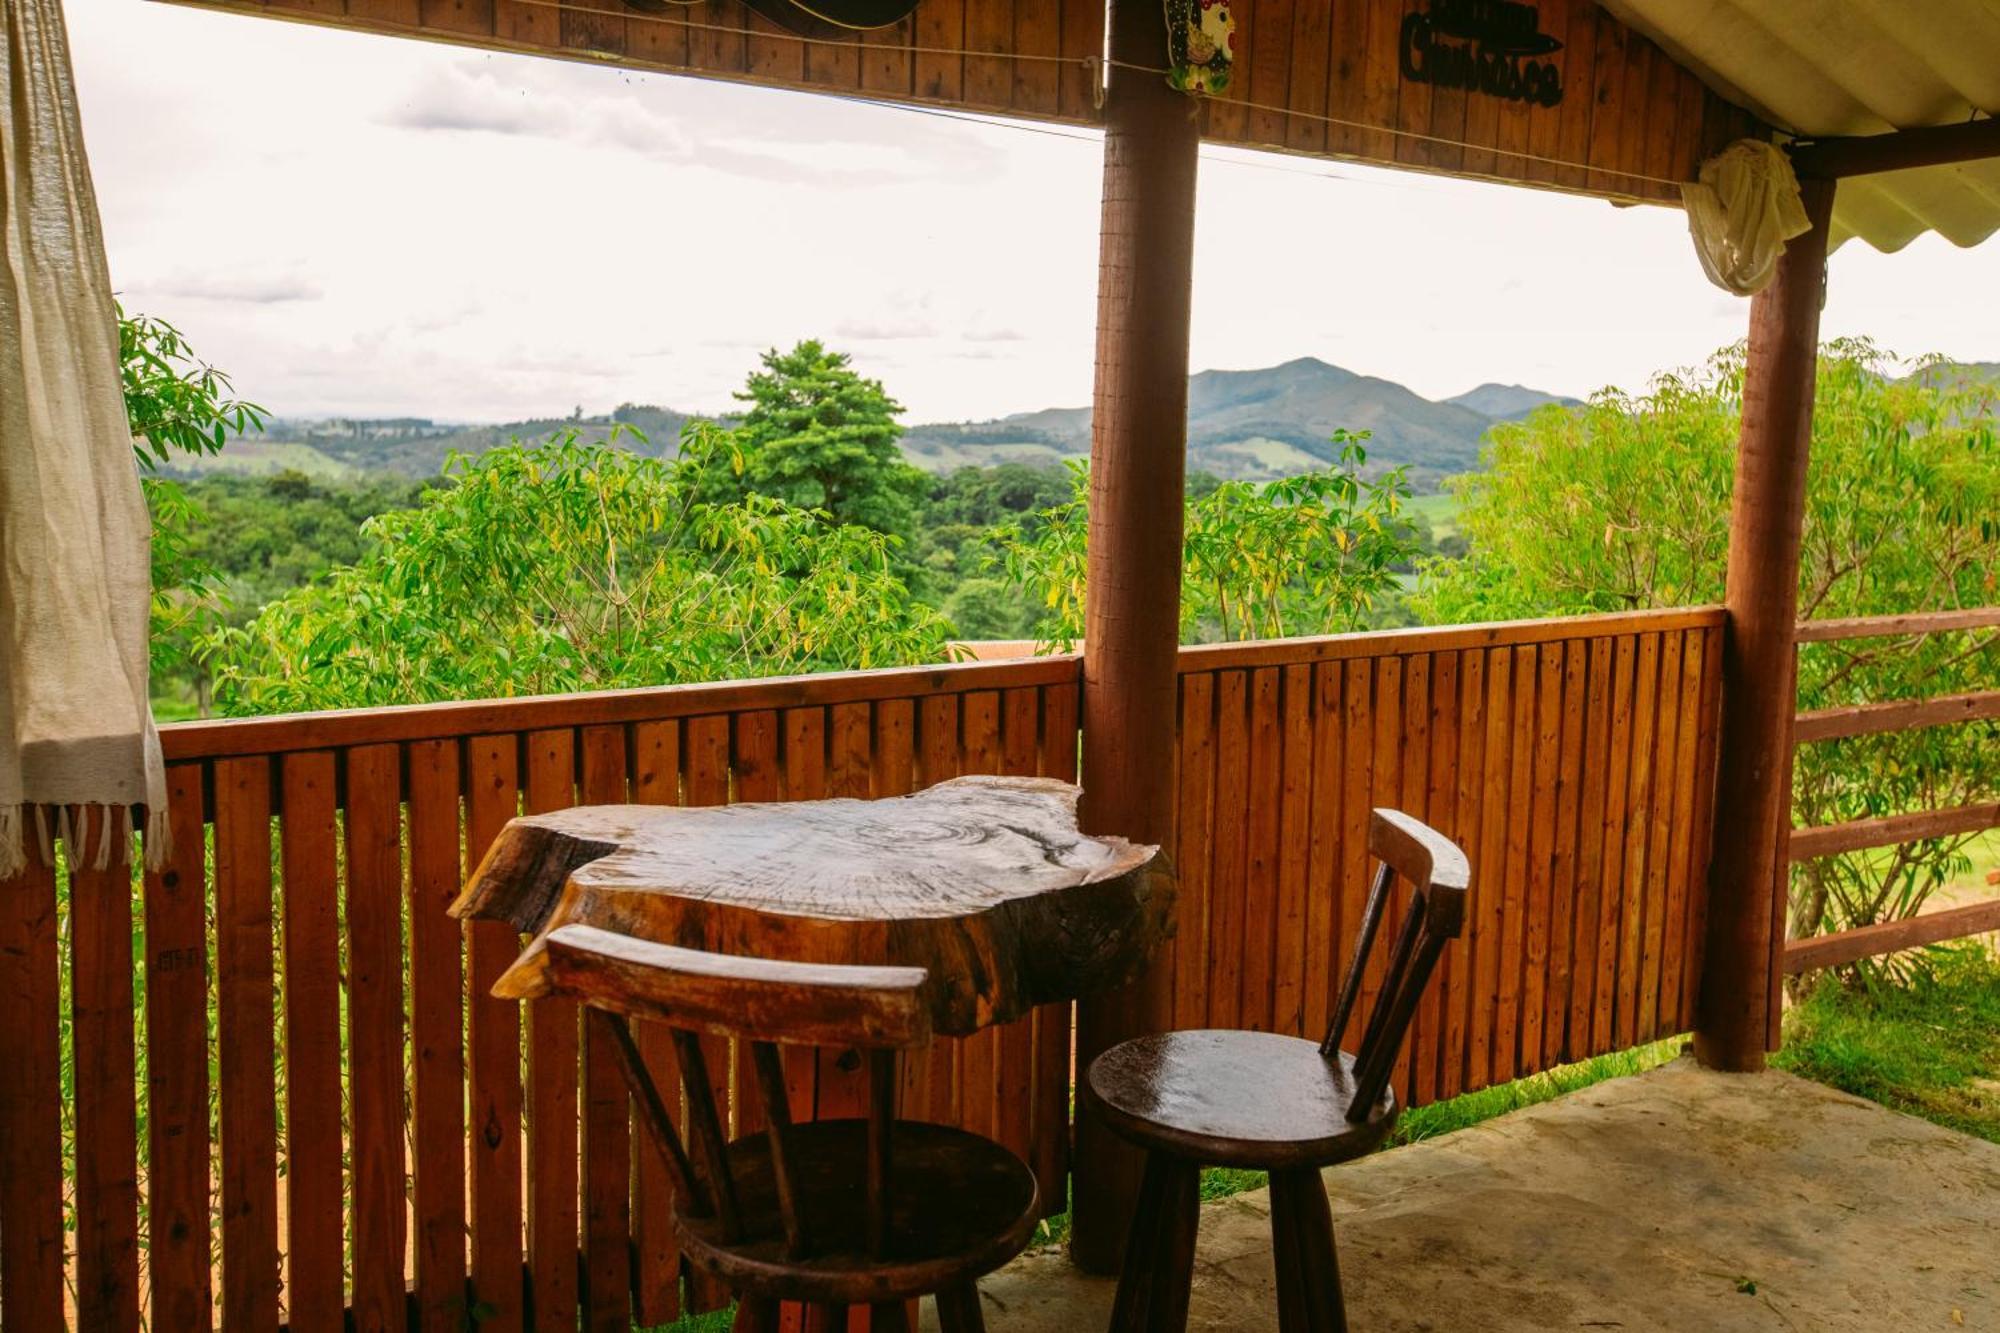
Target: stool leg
(826, 1317)
(1309, 1298)
(1159, 1252)
(958, 1310)
(889, 1317)
(755, 1316)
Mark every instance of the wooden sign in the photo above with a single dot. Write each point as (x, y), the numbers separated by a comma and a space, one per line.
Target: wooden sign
(1494, 47)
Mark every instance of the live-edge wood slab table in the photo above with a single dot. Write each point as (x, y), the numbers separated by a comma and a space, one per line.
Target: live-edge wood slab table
(984, 882)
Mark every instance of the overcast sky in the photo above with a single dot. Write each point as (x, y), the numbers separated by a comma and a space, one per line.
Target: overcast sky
(357, 225)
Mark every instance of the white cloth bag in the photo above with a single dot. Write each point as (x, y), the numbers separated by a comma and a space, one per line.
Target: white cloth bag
(76, 727)
(1741, 210)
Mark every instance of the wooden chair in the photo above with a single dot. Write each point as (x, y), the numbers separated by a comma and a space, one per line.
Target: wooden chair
(1277, 1104)
(833, 1213)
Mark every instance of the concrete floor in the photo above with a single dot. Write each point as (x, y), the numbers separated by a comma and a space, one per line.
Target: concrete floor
(1642, 1203)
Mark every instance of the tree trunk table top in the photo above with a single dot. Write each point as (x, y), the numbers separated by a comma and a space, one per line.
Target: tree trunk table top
(985, 882)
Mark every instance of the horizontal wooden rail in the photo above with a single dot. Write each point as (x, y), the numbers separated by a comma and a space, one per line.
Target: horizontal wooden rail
(1890, 830)
(415, 722)
(1444, 638)
(1882, 627)
(1836, 156)
(1830, 724)
(1848, 946)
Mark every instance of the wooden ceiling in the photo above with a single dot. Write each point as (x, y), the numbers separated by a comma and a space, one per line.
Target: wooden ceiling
(1319, 77)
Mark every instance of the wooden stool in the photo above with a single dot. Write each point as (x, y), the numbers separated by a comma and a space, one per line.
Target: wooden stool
(834, 1213)
(1276, 1104)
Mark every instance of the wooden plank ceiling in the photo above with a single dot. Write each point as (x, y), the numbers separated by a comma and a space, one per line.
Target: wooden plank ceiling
(1325, 78)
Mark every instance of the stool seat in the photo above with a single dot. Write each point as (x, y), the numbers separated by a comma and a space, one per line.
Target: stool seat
(960, 1206)
(1243, 1099)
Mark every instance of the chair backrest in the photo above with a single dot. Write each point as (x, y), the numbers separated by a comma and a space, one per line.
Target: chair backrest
(1438, 876)
(760, 1001)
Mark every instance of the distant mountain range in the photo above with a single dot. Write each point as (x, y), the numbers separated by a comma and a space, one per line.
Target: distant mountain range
(1259, 424)
(1251, 424)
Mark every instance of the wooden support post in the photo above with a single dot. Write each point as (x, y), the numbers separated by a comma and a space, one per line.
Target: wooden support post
(1741, 966)
(1137, 474)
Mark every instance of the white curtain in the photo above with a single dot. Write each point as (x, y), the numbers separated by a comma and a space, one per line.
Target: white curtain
(75, 580)
(1741, 211)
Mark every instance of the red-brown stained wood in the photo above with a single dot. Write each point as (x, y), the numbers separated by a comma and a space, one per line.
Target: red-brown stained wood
(655, 42)
(1624, 656)
(1014, 1043)
(1413, 109)
(1357, 797)
(1455, 1060)
(989, 26)
(1489, 867)
(468, 16)
(1638, 821)
(1054, 1023)
(106, 1118)
(245, 1043)
(772, 53)
(1323, 886)
(755, 761)
(376, 1219)
(1228, 893)
(1037, 32)
(1687, 800)
(493, 1066)
(1295, 820)
(315, 1284)
(1384, 789)
(1440, 811)
(705, 765)
(1310, 51)
(656, 781)
(1542, 818)
(1590, 892)
(1346, 58)
(1514, 887)
(31, 1184)
(178, 1255)
(607, 1144)
(940, 74)
(1415, 745)
(1260, 909)
(716, 41)
(1702, 831)
(1379, 78)
(552, 1083)
(1572, 660)
(436, 981)
(1659, 850)
(1269, 72)
(886, 64)
(1196, 838)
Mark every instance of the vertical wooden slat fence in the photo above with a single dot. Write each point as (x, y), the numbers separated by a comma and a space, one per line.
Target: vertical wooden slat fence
(1574, 762)
(336, 1129)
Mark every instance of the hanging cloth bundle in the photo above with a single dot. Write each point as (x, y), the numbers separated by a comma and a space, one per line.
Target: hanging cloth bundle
(76, 728)
(1741, 210)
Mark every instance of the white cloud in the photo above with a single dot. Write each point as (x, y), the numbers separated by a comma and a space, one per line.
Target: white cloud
(360, 225)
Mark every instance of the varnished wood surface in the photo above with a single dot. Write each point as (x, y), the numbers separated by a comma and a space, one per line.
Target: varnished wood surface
(960, 1206)
(1227, 1097)
(984, 882)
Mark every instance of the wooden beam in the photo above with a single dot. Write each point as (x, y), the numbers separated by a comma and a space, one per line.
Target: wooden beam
(1832, 724)
(1884, 627)
(1927, 146)
(1870, 941)
(1138, 460)
(1739, 971)
(1890, 830)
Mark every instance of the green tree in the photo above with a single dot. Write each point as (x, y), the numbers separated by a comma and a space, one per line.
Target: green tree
(1311, 554)
(177, 403)
(818, 435)
(1624, 503)
(565, 566)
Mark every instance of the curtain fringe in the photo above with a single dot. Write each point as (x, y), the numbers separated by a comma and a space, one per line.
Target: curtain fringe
(114, 836)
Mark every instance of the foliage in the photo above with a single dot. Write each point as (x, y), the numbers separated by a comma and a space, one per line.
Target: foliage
(1929, 1046)
(176, 403)
(817, 435)
(565, 566)
(1624, 503)
(1311, 554)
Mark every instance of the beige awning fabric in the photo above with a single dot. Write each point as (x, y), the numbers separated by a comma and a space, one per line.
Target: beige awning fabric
(76, 728)
(1841, 67)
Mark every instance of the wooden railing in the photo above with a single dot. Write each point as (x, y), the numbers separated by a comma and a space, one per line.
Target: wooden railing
(337, 1131)
(1871, 719)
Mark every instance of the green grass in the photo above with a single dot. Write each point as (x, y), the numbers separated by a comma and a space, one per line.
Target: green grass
(1439, 510)
(1930, 1047)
